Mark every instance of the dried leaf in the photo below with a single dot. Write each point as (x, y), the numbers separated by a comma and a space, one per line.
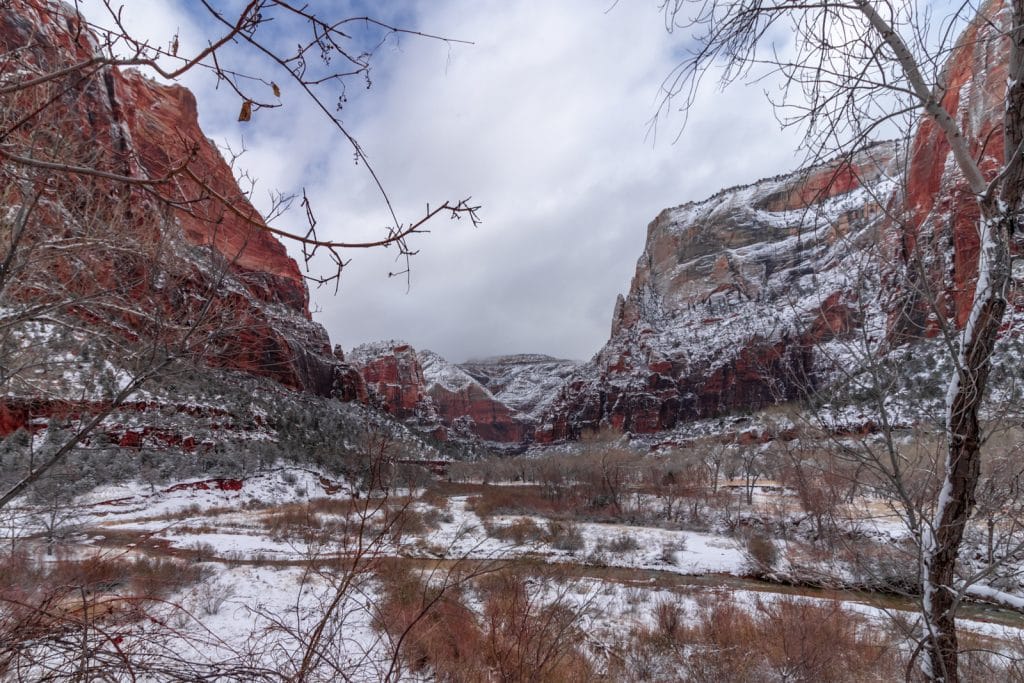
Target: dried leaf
(246, 113)
(277, 90)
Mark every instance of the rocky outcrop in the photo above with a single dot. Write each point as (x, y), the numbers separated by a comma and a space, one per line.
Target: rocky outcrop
(186, 206)
(393, 376)
(736, 300)
(732, 298)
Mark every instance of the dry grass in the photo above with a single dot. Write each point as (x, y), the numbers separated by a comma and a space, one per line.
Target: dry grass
(41, 601)
(516, 500)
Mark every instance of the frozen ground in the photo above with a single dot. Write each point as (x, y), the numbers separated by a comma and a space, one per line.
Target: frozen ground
(261, 600)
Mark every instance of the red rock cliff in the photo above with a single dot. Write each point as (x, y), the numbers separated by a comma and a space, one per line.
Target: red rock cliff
(735, 297)
(935, 236)
(393, 376)
(461, 399)
(122, 123)
(426, 390)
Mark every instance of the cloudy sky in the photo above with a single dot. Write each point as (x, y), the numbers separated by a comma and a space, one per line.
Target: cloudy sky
(543, 120)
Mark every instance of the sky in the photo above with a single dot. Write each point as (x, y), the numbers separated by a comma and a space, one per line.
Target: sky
(542, 120)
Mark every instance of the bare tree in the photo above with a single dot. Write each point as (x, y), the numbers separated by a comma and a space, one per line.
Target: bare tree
(852, 69)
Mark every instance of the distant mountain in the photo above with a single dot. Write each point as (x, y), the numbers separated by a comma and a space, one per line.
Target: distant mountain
(526, 382)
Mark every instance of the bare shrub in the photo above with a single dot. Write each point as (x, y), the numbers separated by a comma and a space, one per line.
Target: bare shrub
(429, 625)
(761, 553)
(790, 639)
(622, 544)
(530, 637)
(565, 536)
(211, 596)
(669, 550)
(155, 577)
(203, 552)
(432, 517)
(521, 531)
(518, 500)
(668, 618)
(62, 610)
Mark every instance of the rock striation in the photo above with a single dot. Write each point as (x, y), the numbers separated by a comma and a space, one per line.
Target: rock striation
(735, 304)
(738, 299)
(932, 241)
(525, 382)
(464, 402)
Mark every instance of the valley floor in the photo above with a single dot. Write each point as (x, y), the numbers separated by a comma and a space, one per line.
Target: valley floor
(288, 553)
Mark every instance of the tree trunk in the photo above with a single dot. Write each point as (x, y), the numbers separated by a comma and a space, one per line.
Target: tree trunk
(991, 538)
(941, 542)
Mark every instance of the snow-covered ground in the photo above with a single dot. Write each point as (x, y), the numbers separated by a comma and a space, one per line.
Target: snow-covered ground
(261, 598)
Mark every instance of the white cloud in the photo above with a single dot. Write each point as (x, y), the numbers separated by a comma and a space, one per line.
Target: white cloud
(542, 121)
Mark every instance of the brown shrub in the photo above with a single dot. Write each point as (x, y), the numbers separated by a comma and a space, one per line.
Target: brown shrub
(762, 553)
(293, 522)
(668, 617)
(519, 500)
(531, 637)
(623, 543)
(157, 577)
(434, 628)
(565, 536)
(404, 520)
(521, 531)
(786, 638)
(523, 637)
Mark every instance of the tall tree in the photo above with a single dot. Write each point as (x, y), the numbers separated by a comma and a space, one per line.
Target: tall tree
(849, 70)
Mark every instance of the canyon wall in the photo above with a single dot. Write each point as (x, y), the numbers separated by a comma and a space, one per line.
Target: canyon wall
(198, 226)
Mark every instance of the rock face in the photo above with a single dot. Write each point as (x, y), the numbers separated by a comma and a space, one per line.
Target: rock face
(463, 401)
(526, 383)
(731, 298)
(933, 246)
(427, 390)
(393, 376)
(737, 299)
(119, 122)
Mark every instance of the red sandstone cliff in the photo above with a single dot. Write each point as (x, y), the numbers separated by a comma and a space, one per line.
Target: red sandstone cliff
(393, 376)
(933, 245)
(123, 123)
(462, 400)
(736, 299)
(426, 390)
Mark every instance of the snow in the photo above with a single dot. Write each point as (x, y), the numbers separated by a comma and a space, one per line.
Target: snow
(365, 353)
(527, 383)
(438, 371)
(271, 599)
(995, 595)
